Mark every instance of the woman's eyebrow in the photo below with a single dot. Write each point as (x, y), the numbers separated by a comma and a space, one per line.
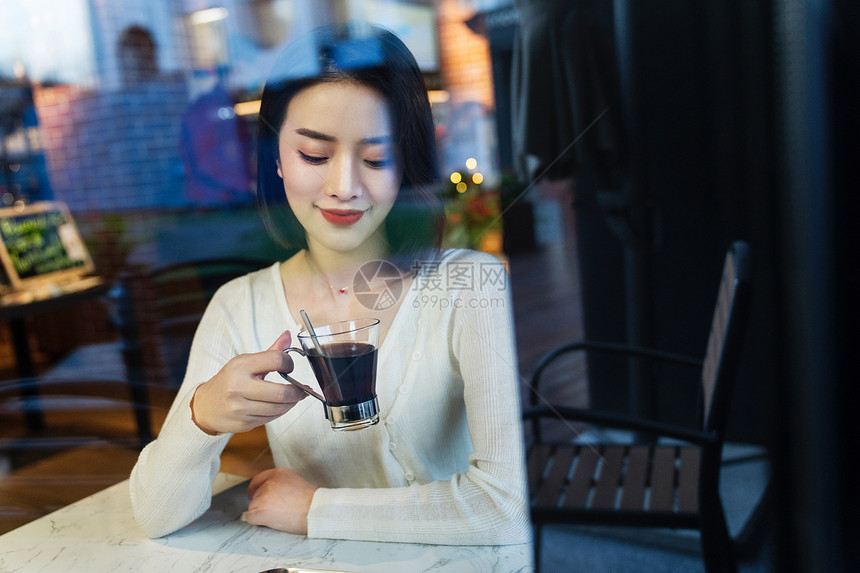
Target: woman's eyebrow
(374, 140)
(378, 140)
(314, 134)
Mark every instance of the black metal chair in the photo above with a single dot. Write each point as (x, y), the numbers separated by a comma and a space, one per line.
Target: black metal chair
(652, 484)
(158, 311)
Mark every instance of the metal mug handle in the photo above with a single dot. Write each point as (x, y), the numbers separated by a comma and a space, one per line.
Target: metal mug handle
(295, 382)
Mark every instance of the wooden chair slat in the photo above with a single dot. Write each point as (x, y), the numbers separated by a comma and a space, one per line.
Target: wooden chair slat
(606, 489)
(550, 490)
(583, 479)
(635, 476)
(688, 480)
(662, 479)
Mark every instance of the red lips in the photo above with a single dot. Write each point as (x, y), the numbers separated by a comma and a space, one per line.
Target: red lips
(342, 217)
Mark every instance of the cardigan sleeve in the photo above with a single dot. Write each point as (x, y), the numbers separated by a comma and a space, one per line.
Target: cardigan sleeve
(486, 504)
(171, 483)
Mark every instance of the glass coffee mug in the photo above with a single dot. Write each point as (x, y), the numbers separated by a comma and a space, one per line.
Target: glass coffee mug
(343, 358)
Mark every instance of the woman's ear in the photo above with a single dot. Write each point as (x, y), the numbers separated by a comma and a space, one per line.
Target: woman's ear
(280, 173)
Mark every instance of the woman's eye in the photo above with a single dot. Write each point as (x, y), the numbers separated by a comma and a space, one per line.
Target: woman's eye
(377, 164)
(312, 159)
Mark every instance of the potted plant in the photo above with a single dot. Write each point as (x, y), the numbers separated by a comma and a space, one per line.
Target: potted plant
(472, 214)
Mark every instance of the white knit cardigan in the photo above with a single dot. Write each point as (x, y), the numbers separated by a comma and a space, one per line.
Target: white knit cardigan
(444, 465)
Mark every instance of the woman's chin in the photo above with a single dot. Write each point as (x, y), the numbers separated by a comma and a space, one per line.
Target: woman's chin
(347, 243)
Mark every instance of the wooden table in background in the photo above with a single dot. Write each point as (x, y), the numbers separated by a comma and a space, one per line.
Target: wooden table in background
(16, 307)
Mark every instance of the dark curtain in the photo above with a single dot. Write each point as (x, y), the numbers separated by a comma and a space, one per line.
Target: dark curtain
(565, 99)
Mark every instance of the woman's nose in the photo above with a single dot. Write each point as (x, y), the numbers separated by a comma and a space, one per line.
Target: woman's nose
(345, 183)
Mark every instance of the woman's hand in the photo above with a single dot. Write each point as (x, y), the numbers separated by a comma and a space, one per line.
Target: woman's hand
(280, 498)
(238, 398)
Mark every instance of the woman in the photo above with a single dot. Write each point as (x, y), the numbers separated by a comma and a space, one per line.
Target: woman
(346, 152)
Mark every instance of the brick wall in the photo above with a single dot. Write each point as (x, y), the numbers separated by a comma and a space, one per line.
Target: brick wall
(113, 157)
(465, 56)
(113, 150)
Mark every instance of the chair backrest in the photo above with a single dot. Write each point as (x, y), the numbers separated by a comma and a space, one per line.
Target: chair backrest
(73, 412)
(723, 353)
(159, 310)
(88, 438)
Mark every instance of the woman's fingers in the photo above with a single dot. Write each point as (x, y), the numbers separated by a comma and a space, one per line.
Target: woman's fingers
(280, 498)
(273, 360)
(266, 392)
(260, 364)
(277, 359)
(239, 397)
(258, 480)
(283, 341)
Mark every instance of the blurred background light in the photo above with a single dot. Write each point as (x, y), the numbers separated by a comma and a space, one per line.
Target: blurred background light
(208, 15)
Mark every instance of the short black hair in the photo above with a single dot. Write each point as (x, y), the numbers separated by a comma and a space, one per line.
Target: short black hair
(376, 58)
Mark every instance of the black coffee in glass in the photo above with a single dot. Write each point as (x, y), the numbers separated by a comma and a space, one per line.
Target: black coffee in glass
(346, 372)
(343, 358)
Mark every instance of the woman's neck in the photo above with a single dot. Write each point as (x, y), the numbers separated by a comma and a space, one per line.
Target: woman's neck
(339, 267)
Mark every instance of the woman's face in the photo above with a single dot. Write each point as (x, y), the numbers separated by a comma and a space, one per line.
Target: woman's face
(339, 164)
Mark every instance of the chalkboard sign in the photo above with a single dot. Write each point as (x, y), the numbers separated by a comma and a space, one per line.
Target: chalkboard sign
(40, 243)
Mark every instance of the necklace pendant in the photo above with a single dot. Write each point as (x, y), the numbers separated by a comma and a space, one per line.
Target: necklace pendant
(342, 290)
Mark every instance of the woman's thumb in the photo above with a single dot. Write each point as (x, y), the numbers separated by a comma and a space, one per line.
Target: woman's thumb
(283, 342)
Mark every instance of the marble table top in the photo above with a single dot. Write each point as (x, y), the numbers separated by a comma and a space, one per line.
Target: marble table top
(99, 534)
